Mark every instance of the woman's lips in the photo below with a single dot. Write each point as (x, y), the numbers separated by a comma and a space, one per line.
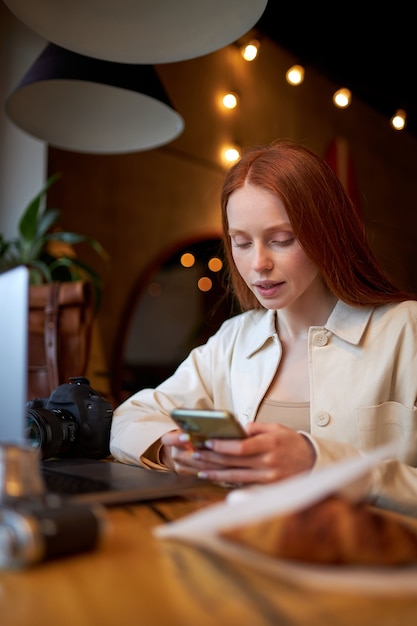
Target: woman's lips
(268, 289)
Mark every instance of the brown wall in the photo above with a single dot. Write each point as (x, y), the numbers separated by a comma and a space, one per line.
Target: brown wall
(139, 204)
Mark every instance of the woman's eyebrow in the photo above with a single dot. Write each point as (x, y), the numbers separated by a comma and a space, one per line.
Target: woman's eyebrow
(271, 229)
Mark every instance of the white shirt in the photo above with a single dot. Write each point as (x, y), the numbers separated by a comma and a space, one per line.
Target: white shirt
(363, 389)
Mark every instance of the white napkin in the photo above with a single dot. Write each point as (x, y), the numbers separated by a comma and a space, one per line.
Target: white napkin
(254, 504)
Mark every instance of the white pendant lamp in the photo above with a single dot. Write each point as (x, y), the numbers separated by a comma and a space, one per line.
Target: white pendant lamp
(140, 31)
(82, 104)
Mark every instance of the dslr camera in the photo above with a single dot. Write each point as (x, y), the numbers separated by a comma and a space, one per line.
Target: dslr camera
(73, 422)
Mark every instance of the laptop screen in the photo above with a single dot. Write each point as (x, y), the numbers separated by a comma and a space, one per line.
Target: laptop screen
(14, 295)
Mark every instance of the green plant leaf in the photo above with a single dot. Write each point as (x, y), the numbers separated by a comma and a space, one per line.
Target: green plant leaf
(28, 224)
(29, 221)
(49, 217)
(35, 249)
(72, 238)
(30, 247)
(4, 246)
(39, 272)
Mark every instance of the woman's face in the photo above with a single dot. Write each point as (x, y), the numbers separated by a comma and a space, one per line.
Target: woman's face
(266, 252)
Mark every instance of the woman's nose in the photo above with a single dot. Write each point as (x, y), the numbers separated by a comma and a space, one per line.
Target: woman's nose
(261, 259)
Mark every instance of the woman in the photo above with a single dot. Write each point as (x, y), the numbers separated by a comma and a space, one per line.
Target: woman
(321, 365)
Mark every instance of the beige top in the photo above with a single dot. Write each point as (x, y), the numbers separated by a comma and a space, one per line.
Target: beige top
(295, 415)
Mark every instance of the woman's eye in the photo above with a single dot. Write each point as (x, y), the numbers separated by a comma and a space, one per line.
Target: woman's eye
(284, 242)
(240, 243)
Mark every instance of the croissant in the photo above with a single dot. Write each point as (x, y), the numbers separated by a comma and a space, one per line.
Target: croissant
(333, 531)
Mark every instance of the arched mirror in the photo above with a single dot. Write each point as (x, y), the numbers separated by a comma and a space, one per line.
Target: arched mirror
(177, 304)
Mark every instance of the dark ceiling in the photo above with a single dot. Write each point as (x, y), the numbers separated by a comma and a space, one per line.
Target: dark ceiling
(373, 54)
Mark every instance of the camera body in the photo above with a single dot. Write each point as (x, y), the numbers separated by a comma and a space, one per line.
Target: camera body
(74, 421)
(32, 531)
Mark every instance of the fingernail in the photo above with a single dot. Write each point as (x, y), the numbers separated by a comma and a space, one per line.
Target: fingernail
(184, 437)
(196, 455)
(202, 475)
(208, 444)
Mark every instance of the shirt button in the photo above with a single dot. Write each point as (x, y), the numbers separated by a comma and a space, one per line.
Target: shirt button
(320, 338)
(322, 418)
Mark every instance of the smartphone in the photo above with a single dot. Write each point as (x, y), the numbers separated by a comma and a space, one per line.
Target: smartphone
(203, 424)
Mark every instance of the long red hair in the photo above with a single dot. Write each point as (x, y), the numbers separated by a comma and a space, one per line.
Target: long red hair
(326, 223)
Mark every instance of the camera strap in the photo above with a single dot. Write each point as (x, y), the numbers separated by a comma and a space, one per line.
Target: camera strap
(51, 333)
(60, 322)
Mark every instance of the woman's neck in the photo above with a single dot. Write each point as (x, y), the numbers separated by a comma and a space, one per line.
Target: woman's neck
(294, 322)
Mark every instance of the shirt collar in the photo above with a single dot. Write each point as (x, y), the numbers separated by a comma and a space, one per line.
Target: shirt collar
(345, 321)
(264, 328)
(348, 322)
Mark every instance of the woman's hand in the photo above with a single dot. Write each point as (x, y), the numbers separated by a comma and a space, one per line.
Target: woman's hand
(270, 453)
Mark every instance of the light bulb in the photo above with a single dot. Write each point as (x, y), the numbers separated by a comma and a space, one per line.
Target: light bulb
(250, 50)
(230, 100)
(230, 154)
(295, 75)
(187, 259)
(215, 264)
(204, 283)
(399, 120)
(342, 98)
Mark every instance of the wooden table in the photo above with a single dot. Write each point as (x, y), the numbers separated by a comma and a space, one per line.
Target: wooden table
(134, 579)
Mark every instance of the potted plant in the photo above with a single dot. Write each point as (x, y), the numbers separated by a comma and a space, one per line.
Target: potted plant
(37, 246)
(64, 294)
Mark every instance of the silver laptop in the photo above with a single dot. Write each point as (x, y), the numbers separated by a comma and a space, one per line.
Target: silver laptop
(80, 480)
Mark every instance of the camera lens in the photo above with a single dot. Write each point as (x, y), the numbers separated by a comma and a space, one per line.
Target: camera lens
(53, 431)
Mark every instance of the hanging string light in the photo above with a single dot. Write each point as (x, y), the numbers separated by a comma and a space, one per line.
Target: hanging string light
(230, 100)
(399, 120)
(342, 98)
(250, 50)
(295, 75)
(230, 154)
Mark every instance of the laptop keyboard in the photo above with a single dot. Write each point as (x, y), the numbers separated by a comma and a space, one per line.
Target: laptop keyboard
(64, 484)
